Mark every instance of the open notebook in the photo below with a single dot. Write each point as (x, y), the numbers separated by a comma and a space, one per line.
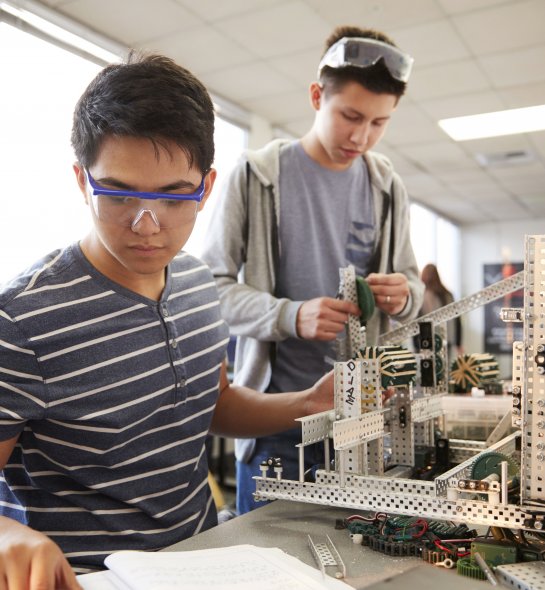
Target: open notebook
(240, 567)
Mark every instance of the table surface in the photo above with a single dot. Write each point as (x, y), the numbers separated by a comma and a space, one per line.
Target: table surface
(287, 525)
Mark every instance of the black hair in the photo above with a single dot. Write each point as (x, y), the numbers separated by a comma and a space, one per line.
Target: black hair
(147, 96)
(375, 78)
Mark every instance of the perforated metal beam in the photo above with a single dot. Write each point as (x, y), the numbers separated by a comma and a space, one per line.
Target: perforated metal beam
(456, 309)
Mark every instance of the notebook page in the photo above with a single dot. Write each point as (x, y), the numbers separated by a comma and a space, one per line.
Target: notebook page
(241, 567)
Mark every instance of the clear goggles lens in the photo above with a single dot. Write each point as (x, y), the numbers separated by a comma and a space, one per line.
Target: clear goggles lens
(127, 208)
(363, 53)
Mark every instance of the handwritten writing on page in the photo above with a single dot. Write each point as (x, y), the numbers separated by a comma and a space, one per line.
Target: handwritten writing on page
(241, 567)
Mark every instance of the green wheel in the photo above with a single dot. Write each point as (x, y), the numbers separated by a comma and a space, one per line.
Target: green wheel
(366, 300)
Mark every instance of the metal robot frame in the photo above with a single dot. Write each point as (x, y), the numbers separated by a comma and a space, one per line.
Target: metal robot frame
(361, 420)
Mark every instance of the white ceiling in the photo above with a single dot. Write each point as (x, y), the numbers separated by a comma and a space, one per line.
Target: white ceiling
(471, 56)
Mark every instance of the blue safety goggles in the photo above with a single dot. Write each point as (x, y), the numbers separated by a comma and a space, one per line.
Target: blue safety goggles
(127, 208)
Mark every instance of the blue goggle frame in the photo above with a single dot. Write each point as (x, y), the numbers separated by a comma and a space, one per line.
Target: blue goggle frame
(107, 192)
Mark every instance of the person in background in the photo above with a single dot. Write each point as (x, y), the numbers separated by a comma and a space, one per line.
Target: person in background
(112, 350)
(293, 213)
(436, 295)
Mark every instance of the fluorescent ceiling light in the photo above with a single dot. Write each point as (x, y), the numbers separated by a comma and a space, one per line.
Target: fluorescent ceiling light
(59, 33)
(495, 124)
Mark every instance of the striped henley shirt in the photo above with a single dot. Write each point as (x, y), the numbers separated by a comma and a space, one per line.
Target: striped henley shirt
(111, 395)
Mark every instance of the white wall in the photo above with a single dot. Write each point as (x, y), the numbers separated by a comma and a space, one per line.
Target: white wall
(489, 243)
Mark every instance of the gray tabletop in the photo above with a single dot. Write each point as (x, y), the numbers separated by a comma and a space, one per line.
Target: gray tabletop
(287, 525)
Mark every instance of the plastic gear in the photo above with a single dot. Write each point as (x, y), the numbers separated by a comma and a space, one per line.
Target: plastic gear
(466, 567)
(366, 300)
(489, 463)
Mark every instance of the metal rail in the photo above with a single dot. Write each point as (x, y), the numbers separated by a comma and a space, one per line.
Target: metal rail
(453, 310)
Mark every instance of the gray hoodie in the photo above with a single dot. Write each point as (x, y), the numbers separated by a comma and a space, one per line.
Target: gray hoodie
(242, 250)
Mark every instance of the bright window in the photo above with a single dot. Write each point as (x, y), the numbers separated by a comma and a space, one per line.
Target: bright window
(43, 208)
(230, 140)
(437, 241)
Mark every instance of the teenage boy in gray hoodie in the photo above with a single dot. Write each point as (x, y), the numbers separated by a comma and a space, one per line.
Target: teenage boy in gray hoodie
(292, 213)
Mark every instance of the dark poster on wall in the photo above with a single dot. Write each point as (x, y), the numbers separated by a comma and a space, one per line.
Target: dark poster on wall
(498, 335)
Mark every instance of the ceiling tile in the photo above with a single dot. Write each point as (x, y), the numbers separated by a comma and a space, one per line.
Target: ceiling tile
(422, 184)
(402, 165)
(497, 145)
(438, 156)
(384, 15)
(56, 3)
(526, 95)
(460, 6)
(467, 176)
(537, 141)
(532, 170)
(192, 50)
(451, 79)
(458, 210)
(279, 109)
(409, 125)
(285, 22)
(510, 25)
(515, 67)
(461, 105)
(240, 84)
(483, 192)
(521, 179)
(534, 203)
(432, 43)
(129, 21)
(212, 10)
(507, 208)
(301, 67)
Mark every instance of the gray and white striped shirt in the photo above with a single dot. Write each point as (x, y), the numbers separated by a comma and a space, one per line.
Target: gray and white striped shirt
(111, 395)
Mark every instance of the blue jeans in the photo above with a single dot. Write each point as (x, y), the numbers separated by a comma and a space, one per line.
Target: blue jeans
(282, 446)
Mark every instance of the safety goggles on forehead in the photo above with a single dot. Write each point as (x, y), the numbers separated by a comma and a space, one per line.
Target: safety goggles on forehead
(127, 208)
(363, 53)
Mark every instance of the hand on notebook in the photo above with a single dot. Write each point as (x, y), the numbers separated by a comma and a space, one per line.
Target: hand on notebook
(30, 560)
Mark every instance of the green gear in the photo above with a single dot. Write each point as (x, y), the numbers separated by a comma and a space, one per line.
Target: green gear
(490, 462)
(366, 300)
(465, 566)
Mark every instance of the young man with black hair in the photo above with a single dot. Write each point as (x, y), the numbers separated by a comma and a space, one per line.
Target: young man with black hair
(112, 350)
(294, 212)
